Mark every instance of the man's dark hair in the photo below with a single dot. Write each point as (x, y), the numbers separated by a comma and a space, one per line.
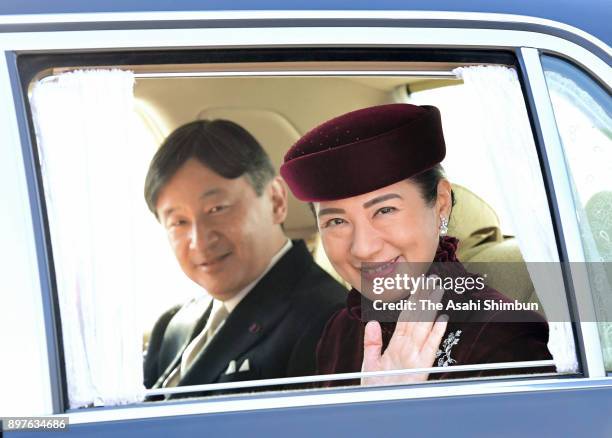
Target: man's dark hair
(223, 146)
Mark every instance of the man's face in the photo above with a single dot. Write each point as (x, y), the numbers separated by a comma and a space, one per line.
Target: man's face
(222, 233)
(389, 225)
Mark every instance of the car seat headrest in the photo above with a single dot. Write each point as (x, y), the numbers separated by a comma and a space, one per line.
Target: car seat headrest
(472, 220)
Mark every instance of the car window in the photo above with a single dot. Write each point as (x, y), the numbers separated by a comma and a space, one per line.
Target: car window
(117, 275)
(583, 111)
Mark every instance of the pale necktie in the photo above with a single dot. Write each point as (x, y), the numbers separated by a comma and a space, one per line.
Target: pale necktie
(202, 340)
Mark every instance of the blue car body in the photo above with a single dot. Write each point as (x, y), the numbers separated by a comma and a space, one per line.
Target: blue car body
(574, 405)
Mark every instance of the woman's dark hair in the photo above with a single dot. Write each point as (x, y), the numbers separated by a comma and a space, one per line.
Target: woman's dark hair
(427, 182)
(223, 146)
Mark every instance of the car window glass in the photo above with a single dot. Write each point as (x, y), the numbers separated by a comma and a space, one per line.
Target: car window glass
(105, 239)
(583, 111)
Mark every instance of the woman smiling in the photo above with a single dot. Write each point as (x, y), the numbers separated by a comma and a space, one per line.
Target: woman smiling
(382, 204)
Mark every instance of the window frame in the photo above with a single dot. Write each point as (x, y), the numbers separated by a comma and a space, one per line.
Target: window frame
(530, 70)
(589, 313)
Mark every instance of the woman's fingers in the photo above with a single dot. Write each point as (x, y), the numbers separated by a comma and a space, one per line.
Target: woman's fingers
(432, 343)
(425, 311)
(372, 346)
(403, 352)
(414, 343)
(404, 325)
(426, 318)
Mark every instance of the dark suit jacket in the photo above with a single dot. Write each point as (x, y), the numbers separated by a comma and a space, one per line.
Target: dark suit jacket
(276, 327)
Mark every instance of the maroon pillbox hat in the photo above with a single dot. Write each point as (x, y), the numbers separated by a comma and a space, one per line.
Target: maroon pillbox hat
(364, 150)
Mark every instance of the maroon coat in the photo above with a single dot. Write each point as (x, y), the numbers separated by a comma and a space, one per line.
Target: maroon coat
(477, 337)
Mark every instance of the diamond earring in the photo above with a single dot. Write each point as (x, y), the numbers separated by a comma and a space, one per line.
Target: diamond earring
(443, 226)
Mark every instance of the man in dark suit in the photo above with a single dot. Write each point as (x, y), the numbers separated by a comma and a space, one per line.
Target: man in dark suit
(213, 188)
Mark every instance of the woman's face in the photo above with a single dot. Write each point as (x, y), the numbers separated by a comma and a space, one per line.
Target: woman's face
(389, 225)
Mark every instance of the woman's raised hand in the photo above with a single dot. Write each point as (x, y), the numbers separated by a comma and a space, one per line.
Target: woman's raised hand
(414, 344)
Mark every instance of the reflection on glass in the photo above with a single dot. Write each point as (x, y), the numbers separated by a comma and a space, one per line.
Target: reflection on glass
(583, 110)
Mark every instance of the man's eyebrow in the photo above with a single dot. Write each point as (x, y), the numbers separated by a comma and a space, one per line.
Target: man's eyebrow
(211, 192)
(382, 198)
(166, 212)
(214, 191)
(330, 211)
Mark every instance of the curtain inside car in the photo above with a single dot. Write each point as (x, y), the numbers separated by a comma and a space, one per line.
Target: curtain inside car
(495, 103)
(83, 123)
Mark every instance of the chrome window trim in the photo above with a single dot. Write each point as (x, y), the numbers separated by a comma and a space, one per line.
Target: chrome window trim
(176, 16)
(346, 376)
(323, 73)
(244, 37)
(226, 404)
(286, 73)
(594, 364)
(321, 37)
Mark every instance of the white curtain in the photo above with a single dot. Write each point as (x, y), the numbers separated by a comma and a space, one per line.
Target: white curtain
(83, 124)
(495, 102)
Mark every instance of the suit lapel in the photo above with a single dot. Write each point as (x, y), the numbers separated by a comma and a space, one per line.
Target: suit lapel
(256, 315)
(185, 325)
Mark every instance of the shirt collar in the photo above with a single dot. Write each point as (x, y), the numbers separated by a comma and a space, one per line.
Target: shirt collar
(231, 303)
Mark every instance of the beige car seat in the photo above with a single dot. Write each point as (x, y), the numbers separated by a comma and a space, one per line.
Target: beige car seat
(483, 249)
(275, 134)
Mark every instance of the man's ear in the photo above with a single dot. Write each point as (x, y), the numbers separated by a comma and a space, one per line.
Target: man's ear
(444, 201)
(278, 196)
